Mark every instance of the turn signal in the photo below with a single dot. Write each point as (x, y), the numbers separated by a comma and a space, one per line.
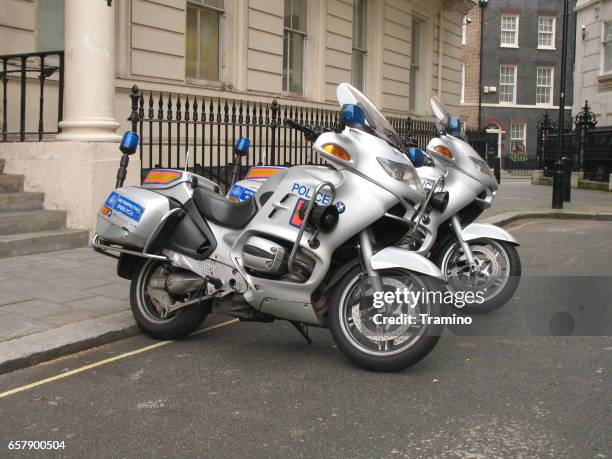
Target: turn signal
(337, 151)
(444, 151)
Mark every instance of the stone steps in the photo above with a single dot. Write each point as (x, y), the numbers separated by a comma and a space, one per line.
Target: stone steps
(10, 202)
(42, 241)
(26, 227)
(11, 183)
(31, 221)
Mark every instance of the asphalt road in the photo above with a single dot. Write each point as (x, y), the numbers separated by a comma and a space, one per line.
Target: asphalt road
(258, 390)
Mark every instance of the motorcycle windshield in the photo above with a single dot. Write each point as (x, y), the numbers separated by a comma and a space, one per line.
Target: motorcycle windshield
(440, 110)
(347, 94)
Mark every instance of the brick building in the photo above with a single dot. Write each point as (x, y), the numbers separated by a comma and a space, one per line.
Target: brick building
(470, 72)
(521, 75)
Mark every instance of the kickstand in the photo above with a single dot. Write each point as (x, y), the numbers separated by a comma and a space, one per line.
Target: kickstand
(302, 329)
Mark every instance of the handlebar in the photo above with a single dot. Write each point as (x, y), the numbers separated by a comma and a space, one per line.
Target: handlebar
(311, 133)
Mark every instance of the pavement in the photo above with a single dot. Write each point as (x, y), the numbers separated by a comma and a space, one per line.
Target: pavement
(257, 390)
(56, 303)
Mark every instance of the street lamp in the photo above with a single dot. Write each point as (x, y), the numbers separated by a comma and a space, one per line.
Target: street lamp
(558, 193)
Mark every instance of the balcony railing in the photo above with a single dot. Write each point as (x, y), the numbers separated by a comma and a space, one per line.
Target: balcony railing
(21, 73)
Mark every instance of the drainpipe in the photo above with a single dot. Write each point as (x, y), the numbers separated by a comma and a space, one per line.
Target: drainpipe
(440, 49)
(482, 4)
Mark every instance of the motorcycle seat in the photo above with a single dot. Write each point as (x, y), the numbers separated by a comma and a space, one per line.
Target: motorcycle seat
(217, 209)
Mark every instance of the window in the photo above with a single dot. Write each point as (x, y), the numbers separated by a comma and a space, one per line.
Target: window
(544, 86)
(50, 32)
(416, 56)
(546, 32)
(518, 138)
(507, 84)
(464, 31)
(294, 36)
(462, 83)
(360, 30)
(203, 39)
(509, 30)
(607, 47)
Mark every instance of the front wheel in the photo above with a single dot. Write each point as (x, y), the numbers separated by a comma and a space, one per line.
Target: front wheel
(384, 347)
(497, 277)
(146, 295)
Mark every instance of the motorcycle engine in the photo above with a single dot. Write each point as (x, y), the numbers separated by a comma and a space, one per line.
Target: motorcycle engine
(267, 258)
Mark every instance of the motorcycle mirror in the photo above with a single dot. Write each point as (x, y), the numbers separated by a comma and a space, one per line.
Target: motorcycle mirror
(241, 148)
(129, 143)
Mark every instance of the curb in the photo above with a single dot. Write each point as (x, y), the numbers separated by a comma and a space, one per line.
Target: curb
(67, 339)
(509, 217)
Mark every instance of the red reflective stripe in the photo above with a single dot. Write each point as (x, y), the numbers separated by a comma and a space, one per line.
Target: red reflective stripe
(161, 177)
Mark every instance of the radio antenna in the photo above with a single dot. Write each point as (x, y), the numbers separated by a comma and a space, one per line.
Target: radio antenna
(186, 159)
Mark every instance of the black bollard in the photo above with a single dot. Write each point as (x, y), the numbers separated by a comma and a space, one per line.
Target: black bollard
(497, 169)
(567, 179)
(557, 194)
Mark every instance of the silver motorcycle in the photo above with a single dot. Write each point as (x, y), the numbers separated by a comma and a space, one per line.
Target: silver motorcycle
(312, 246)
(475, 256)
(460, 186)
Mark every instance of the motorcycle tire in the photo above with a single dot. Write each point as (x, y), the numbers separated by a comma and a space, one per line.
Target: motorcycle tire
(368, 360)
(508, 290)
(181, 324)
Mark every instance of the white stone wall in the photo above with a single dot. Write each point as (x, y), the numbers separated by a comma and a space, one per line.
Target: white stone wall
(590, 82)
(17, 26)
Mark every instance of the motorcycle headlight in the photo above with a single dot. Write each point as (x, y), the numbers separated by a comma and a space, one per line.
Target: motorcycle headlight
(401, 172)
(482, 166)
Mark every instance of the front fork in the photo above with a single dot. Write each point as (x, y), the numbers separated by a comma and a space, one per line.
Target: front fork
(365, 244)
(464, 245)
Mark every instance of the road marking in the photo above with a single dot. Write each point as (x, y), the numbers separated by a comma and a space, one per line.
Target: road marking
(514, 228)
(106, 361)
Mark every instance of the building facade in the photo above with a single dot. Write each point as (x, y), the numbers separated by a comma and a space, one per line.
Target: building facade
(298, 49)
(521, 52)
(593, 81)
(400, 52)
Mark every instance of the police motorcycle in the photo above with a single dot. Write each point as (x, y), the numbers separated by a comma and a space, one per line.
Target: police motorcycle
(475, 257)
(312, 246)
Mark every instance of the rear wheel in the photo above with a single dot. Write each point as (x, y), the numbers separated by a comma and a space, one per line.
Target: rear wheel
(383, 347)
(149, 278)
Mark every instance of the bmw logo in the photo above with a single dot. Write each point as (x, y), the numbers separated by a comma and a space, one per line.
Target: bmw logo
(340, 207)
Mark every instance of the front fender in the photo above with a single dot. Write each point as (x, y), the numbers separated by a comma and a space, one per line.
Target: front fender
(488, 231)
(394, 257)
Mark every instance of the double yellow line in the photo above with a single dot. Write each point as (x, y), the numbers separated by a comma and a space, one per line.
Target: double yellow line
(106, 361)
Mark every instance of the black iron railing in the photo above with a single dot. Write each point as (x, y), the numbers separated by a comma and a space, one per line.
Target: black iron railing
(171, 125)
(20, 68)
(587, 146)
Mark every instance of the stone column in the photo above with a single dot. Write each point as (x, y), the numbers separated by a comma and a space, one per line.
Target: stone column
(89, 89)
